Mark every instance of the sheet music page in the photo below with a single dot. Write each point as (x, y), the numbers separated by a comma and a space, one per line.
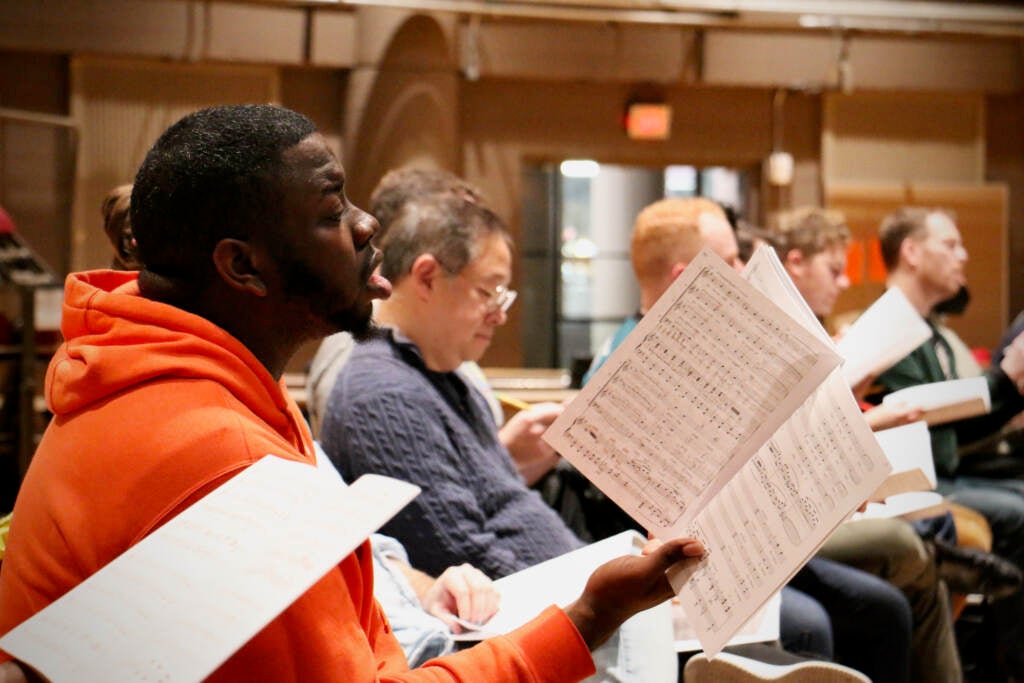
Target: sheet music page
(883, 334)
(778, 510)
(762, 627)
(184, 599)
(711, 371)
(557, 581)
(785, 502)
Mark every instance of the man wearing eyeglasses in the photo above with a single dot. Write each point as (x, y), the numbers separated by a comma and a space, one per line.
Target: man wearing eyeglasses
(450, 263)
(520, 434)
(401, 407)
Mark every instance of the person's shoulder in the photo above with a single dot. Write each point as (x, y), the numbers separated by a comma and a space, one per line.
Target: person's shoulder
(374, 374)
(907, 371)
(333, 350)
(377, 358)
(199, 425)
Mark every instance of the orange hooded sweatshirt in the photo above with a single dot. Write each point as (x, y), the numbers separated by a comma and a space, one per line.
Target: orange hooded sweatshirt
(154, 408)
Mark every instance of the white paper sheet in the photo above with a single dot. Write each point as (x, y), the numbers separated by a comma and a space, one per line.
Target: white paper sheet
(762, 627)
(184, 599)
(942, 402)
(645, 426)
(769, 519)
(785, 502)
(883, 334)
(711, 371)
(909, 450)
(557, 581)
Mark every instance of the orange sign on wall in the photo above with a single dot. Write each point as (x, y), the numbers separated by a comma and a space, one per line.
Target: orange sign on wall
(648, 121)
(876, 265)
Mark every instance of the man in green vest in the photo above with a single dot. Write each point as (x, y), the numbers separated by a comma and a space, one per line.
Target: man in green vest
(925, 257)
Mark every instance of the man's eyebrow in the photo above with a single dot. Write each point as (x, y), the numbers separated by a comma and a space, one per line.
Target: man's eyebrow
(332, 183)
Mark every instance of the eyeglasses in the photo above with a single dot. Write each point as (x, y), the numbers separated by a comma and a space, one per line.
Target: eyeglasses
(500, 298)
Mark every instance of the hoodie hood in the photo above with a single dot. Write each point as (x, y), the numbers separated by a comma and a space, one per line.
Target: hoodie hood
(115, 339)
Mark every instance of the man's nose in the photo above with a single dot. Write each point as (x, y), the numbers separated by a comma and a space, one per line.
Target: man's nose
(497, 317)
(364, 228)
(843, 282)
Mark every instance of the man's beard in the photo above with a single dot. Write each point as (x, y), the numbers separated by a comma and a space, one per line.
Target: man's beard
(302, 283)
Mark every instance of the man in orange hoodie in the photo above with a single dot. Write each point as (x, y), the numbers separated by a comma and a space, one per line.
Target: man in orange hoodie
(168, 385)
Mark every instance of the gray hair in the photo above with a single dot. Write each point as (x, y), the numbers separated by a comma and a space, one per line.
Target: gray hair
(448, 227)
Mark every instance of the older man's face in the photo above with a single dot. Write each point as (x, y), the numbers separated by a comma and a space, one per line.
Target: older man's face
(940, 256)
(465, 302)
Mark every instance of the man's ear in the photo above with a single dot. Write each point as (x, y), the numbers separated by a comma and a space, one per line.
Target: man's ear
(794, 259)
(677, 269)
(909, 252)
(236, 266)
(424, 274)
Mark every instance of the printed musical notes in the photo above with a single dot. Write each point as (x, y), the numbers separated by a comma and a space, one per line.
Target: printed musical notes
(709, 374)
(724, 417)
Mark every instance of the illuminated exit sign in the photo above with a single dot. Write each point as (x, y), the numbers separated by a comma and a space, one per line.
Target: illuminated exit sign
(648, 121)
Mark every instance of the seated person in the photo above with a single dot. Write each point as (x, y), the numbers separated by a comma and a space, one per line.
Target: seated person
(521, 434)
(811, 244)
(925, 258)
(168, 384)
(118, 227)
(450, 263)
(420, 608)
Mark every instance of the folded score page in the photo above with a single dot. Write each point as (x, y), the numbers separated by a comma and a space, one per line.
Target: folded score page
(712, 370)
(175, 606)
(784, 503)
(882, 335)
(909, 450)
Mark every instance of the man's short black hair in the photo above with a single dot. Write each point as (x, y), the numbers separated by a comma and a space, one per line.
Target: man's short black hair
(214, 174)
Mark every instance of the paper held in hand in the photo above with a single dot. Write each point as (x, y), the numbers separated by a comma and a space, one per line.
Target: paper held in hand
(561, 580)
(909, 450)
(722, 417)
(942, 402)
(908, 491)
(883, 334)
(176, 605)
(557, 581)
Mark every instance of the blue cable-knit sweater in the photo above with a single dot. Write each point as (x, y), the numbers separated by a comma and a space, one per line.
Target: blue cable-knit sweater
(388, 414)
